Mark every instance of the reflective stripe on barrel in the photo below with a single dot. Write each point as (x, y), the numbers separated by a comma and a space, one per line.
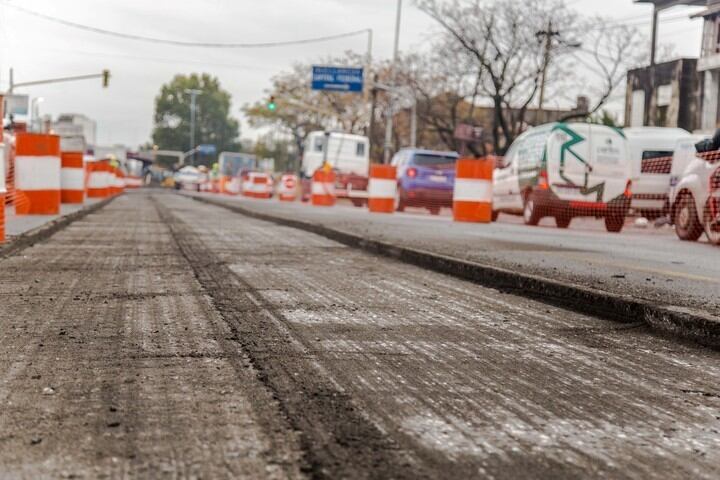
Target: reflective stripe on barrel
(382, 188)
(472, 194)
(323, 188)
(72, 178)
(37, 173)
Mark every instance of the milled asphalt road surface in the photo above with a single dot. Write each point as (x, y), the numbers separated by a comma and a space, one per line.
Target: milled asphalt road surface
(652, 264)
(165, 338)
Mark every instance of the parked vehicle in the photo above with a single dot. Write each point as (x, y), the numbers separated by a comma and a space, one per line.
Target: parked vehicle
(349, 156)
(425, 179)
(566, 170)
(652, 151)
(684, 153)
(696, 199)
(189, 178)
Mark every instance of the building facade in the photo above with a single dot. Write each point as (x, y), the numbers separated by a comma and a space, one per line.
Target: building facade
(666, 94)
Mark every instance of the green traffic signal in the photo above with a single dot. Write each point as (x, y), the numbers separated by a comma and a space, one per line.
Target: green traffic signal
(272, 106)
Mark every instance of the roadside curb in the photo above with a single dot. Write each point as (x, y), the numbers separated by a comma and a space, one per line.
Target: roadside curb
(20, 242)
(688, 324)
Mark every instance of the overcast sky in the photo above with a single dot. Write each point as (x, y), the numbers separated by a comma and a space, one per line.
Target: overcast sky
(40, 49)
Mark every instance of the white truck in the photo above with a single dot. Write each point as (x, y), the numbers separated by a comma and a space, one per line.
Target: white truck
(349, 156)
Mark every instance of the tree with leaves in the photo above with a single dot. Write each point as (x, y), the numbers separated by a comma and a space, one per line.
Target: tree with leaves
(213, 123)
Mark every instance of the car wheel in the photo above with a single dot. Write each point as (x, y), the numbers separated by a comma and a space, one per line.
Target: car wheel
(531, 213)
(357, 202)
(495, 215)
(614, 223)
(687, 224)
(434, 210)
(712, 227)
(399, 202)
(563, 220)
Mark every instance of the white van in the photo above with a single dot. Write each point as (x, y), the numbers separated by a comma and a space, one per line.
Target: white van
(566, 170)
(349, 156)
(652, 151)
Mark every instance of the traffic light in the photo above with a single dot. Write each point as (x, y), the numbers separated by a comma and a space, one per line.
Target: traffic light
(271, 105)
(106, 78)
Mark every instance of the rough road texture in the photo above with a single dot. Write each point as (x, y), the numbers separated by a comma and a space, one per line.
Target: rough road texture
(182, 339)
(113, 363)
(648, 264)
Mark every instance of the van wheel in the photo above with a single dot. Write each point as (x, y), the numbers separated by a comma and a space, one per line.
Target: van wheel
(563, 220)
(399, 202)
(614, 223)
(531, 213)
(687, 224)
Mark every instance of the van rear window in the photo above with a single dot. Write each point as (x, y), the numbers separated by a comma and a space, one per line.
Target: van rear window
(429, 160)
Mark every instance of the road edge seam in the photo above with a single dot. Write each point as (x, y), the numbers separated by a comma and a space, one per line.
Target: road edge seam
(27, 239)
(675, 321)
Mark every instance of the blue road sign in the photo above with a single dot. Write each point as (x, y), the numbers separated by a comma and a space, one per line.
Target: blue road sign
(207, 149)
(337, 79)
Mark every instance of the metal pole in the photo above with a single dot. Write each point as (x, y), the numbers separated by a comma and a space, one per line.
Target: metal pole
(12, 80)
(389, 119)
(413, 124)
(546, 62)
(653, 46)
(193, 96)
(368, 74)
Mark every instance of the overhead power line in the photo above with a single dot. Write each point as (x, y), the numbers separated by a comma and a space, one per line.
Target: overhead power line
(179, 43)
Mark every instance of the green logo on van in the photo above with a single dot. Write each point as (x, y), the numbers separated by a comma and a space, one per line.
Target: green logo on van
(565, 150)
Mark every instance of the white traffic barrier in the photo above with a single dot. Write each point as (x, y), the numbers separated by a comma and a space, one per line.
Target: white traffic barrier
(287, 190)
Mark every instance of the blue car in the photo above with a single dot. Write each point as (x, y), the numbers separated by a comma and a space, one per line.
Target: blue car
(425, 179)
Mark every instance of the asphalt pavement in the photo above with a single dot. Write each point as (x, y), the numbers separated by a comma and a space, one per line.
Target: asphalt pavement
(161, 337)
(647, 263)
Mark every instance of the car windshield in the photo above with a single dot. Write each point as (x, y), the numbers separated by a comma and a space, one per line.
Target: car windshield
(426, 160)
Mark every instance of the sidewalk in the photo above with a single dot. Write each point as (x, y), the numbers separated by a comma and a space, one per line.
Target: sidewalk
(18, 224)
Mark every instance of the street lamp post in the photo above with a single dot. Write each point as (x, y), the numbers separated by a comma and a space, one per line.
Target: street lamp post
(389, 120)
(193, 106)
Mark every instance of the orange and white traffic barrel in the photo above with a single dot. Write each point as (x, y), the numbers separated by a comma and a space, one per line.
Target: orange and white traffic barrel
(382, 188)
(72, 177)
(119, 181)
(322, 190)
(37, 173)
(257, 185)
(472, 195)
(3, 191)
(287, 190)
(97, 180)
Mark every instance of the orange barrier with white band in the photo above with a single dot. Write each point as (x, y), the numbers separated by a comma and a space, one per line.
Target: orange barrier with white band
(257, 185)
(3, 191)
(37, 173)
(287, 190)
(382, 188)
(72, 177)
(132, 181)
(119, 181)
(322, 189)
(472, 195)
(97, 183)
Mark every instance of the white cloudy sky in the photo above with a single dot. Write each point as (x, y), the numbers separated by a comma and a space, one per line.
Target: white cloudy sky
(39, 49)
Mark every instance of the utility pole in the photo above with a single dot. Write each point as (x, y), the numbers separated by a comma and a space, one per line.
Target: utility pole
(548, 34)
(389, 120)
(193, 105)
